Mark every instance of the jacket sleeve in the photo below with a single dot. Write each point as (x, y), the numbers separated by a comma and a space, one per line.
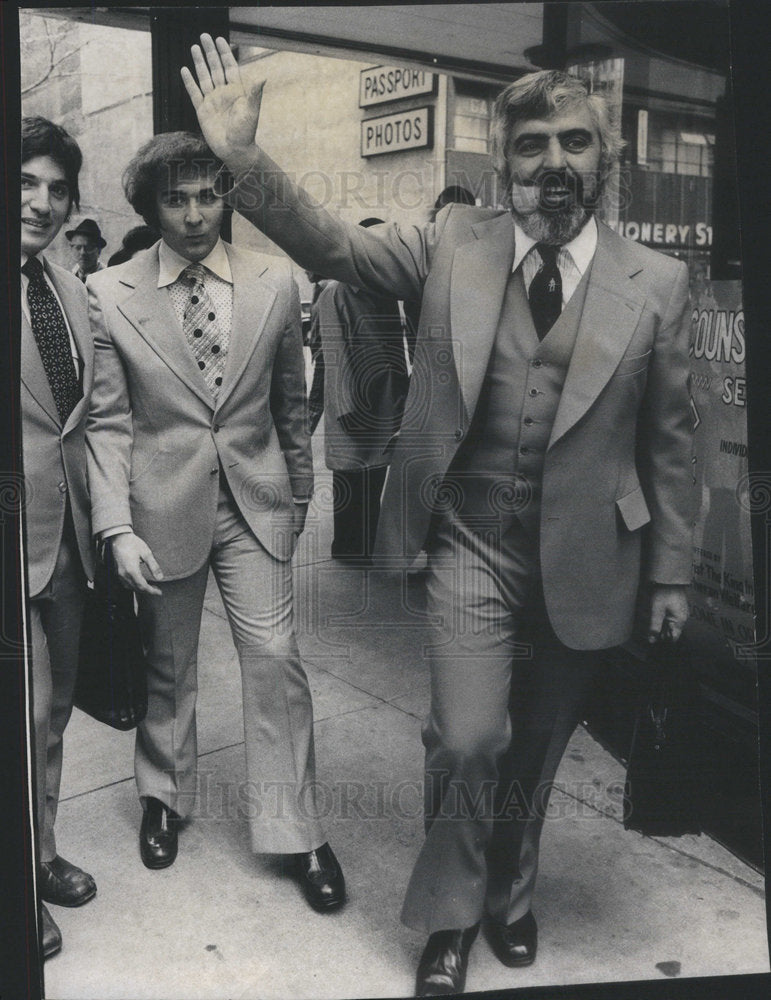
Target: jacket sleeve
(665, 444)
(288, 402)
(109, 433)
(388, 258)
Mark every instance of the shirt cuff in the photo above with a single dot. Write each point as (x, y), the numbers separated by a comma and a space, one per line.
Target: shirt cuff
(119, 529)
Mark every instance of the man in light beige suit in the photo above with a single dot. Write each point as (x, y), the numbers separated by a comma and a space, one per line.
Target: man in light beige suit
(56, 377)
(544, 460)
(199, 457)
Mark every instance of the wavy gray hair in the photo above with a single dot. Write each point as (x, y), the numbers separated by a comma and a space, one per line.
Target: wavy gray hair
(541, 95)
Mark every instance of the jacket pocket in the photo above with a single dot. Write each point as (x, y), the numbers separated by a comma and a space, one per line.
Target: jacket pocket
(633, 509)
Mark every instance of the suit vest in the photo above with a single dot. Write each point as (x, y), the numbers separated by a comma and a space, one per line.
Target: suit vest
(496, 473)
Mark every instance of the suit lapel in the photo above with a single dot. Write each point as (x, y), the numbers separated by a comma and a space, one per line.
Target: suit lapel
(610, 315)
(480, 272)
(149, 310)
(252, 302)
(33, 373)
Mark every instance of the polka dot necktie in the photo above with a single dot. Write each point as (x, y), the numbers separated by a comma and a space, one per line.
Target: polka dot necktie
(208, 343)
(545, 294)
(53, 340)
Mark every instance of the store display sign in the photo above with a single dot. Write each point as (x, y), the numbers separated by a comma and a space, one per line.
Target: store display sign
(413, 129)
(391, 83)
(722, 595)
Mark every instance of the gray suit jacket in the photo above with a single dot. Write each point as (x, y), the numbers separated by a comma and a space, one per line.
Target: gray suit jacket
(618, 465)
(55, 456)
(156, 438)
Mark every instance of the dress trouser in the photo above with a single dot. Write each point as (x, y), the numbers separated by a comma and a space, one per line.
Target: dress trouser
(506, 696)
(356, 510)
(55, 620)
(256, 589)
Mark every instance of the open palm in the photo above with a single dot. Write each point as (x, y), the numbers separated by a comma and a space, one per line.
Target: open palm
(228, 108)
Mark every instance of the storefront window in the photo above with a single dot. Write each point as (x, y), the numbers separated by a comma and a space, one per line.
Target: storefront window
(63, 78)
(471, 124)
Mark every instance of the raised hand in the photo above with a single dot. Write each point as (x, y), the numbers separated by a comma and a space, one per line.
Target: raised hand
(227, 106)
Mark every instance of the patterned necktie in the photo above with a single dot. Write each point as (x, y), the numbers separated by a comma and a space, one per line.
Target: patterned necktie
(545, 293)
(209, 344)
(53, 340)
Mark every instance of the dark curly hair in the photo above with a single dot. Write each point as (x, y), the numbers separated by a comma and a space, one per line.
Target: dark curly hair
(160, 162)
(41, 137)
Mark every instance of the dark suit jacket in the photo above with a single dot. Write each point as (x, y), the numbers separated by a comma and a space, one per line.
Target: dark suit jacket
(618, 464)
(55, 456)
(364, 374)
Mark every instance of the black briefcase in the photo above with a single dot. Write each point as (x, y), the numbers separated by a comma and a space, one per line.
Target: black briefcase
(665, 786)
(112, 677)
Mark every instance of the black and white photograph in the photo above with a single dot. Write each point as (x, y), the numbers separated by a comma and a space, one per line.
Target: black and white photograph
(385, 527)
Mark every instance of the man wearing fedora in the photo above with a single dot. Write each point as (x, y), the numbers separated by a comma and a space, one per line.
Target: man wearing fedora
(86, 242)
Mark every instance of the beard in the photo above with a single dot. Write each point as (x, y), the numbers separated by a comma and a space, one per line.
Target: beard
(554, 207)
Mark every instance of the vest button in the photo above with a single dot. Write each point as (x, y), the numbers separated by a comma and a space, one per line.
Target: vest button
(524, 450)
(537, 363)
(62, 487)
(215, 428)
(528, 421)
(533, 392)
(458, 434)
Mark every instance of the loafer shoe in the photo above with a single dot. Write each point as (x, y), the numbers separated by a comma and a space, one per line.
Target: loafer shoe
(158, 841)
(321, 879)
(514, 944)
(65, 884)
(443, 964)
(50, 935)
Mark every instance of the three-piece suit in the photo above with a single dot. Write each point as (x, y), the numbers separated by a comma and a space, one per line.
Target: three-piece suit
(211, 481)
(546, 480)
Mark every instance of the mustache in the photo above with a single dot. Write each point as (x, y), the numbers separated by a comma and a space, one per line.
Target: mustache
(562, 183)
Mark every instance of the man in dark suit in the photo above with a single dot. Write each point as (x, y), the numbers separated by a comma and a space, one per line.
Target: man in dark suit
(56, 377)
(359, 384)
(546, 437)
(199, 456)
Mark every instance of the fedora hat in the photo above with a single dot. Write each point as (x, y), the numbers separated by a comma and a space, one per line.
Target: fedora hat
(90, 229)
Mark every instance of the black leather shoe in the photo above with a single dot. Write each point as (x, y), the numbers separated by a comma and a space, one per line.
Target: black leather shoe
(65, 884)
(443, 964)
(158, 835)
(321, 879)
(50, 935)
(514, 944)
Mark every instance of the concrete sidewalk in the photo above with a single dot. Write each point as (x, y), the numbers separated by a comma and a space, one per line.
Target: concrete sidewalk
(612, 905)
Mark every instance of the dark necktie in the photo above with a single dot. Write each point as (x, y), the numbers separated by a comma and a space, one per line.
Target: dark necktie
(53, 340)
(545, 293)
(208, 342)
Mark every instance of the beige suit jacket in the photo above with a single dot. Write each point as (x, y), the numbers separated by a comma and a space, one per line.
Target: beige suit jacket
(158, 442)
(617, 470)
(55, 456)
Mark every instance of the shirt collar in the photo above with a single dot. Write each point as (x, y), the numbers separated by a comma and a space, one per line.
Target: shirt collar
(172, 264)
(581, 248)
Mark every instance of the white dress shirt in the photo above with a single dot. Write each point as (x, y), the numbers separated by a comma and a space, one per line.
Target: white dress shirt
(218, 282)
(572, 260)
